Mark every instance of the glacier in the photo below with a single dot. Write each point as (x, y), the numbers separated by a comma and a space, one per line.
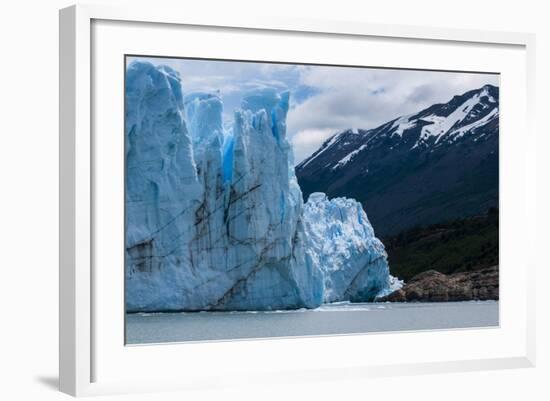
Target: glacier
(341, 242)
(215, 218)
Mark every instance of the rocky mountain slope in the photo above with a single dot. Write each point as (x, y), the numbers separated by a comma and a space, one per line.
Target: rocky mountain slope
(432, 166)
(433, 286)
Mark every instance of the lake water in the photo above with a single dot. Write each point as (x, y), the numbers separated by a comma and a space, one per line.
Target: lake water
(340, 318)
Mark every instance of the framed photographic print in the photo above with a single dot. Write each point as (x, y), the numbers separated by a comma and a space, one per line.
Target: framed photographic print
(244, 202)
(237, 194)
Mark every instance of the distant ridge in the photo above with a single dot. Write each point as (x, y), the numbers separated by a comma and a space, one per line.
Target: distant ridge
(432, 166)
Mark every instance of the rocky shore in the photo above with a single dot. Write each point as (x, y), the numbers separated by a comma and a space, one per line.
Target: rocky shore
(433, 286)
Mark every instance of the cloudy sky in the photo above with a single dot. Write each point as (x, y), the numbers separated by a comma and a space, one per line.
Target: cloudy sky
(325, 100)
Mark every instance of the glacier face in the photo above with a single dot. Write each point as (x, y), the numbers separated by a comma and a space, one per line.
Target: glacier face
(215, 219)
(341, 242)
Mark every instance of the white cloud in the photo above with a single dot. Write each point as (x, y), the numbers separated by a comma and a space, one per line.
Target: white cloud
(325, 100)
(307, 141)
(366, 98)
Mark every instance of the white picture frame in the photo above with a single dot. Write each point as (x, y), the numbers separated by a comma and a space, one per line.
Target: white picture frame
(82, 344)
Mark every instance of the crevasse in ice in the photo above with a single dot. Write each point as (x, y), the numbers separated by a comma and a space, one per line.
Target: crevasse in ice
(215, 218)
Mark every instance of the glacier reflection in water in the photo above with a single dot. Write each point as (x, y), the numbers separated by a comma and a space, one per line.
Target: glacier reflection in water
(329, 319)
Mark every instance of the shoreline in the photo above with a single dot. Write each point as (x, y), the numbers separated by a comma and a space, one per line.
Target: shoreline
(328, 307)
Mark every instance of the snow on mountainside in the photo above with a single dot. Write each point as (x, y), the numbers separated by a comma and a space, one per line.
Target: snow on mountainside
(215, 219)
(476, 111)
(402, 167)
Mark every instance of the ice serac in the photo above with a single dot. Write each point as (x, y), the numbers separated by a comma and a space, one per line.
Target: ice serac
(162, 189)
(215, 219)
(341, 241)
(261, 221)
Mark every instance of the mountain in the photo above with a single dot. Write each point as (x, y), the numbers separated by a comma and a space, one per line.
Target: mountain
(215, 218)
(432, 166)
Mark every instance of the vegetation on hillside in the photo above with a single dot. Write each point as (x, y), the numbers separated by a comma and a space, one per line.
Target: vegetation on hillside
(456, 246)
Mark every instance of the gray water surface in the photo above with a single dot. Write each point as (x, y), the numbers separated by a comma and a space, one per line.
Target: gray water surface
(330, 319)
